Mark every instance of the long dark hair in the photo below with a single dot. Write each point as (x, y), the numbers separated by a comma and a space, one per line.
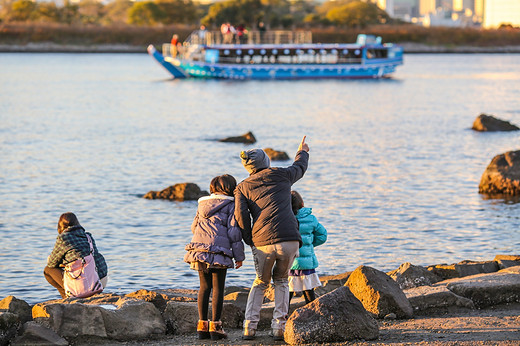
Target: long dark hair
(67, 220)
(224, 184)
(296, 202)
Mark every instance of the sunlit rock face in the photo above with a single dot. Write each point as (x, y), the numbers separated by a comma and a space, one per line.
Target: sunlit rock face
(502, 175)
(486, 122)
(335, 317)
(379, 293)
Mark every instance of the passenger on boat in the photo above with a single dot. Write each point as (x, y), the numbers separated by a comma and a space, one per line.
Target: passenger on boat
(174, 45)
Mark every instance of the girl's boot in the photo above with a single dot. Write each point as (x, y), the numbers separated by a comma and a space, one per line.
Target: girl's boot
(203, 329)
(216, 331)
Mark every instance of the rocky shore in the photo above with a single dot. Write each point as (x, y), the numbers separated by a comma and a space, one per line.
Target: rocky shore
(409, 48)
(470, 302)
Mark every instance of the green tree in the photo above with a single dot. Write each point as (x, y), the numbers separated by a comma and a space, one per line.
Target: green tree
(145, 13)
(90, 11)
(23, 10)
(246, 12)
(117, 11)
(177, 11)
(69, 13)
(357, 14)
(48, 12)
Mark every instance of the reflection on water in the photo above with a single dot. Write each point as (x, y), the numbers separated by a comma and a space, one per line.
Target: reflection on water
(393, 173)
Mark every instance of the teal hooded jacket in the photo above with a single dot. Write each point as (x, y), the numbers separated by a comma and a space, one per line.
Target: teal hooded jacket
(313, 234)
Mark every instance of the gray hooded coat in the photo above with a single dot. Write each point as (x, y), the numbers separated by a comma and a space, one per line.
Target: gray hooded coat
(216, 236)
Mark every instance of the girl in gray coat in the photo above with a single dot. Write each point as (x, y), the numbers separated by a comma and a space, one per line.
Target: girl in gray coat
(216, 241)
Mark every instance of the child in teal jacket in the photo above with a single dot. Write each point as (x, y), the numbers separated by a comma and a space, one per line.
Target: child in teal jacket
(302, 276)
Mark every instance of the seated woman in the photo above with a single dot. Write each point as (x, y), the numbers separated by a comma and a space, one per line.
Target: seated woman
(71, 244)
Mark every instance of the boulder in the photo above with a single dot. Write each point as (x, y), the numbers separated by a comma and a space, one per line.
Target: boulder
(426, 297)
(335, 317)
(276, 155)
(266, 312)
(16, 306)
(182, 317)
(9, 325)
(502, 175)
(178, 192)
(238, 298)
(331, 282)
(157, 299)
(179, 294)
(126, 319)
(463, 268)
(246, 138)
(506, 261)
(409, 276)
(488, 289)
(379, 293)
(486, 122)
(33, 333)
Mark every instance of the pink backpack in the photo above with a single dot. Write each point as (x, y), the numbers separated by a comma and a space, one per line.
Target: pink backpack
(80, 278)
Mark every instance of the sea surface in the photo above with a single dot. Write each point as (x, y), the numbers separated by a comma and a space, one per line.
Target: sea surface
(393, 174)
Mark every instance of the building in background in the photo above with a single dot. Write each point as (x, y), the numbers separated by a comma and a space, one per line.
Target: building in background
(454, 13)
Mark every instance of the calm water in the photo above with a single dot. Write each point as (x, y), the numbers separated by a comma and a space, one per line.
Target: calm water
(393, 174)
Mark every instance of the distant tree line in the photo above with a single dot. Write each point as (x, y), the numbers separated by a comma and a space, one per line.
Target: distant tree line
(273, 13)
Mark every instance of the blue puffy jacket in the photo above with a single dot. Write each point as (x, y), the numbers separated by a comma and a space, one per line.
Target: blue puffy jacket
(313, 234)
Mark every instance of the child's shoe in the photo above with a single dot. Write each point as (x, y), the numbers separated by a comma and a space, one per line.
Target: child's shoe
(278, 334)
(249, 334)
(216, 331)
(203, 329)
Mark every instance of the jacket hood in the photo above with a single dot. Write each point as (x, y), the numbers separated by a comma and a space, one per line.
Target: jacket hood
(209, 205)
(304, 212)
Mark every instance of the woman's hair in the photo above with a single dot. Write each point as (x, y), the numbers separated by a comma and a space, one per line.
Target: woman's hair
(67, 220)
(296, 201)
(223, 184)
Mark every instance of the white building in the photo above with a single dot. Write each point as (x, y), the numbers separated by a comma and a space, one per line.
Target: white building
(498, 12)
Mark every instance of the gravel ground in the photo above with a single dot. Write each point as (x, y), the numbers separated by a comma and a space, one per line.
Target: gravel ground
(499, 325)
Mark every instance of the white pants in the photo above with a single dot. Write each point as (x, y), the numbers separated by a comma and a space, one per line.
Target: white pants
(271, 261)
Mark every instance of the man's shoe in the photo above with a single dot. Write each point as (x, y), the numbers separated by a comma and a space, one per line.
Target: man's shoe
(278, 334)
(249, 334)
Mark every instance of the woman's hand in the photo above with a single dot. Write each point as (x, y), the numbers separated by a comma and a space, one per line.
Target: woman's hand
(238, 264)
(303, 146)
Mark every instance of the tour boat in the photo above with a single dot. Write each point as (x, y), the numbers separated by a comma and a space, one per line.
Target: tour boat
(277, 55)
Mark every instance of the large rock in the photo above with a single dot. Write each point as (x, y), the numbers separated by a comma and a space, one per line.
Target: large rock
(178, 192)
(331, 282)
(379, 293)
(33, 333)
(463, 268)
(486, 122)
(126, 319)
(182, 317)
(247, 138)
(16, 306)
(426, 297)
(9, 325)
(276, 155)
(335, 317)
(506, 261)
(488, 289)
(157, 299)
(410, 276)
(502, 175)
(238, 298)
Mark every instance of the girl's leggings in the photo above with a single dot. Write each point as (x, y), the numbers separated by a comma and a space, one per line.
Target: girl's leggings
(213, 279)
(307, 294)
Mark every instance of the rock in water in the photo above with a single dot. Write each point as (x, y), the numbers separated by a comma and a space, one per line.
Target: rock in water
(486, 122)
(178, 192)
(335, 317)
(276, 155)
(379, 293)
(502, 175)
(247, 138)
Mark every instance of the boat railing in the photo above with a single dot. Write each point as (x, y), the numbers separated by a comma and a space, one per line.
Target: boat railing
(210, 38)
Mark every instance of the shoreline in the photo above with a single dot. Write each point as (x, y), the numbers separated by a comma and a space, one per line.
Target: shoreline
(409, 48)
